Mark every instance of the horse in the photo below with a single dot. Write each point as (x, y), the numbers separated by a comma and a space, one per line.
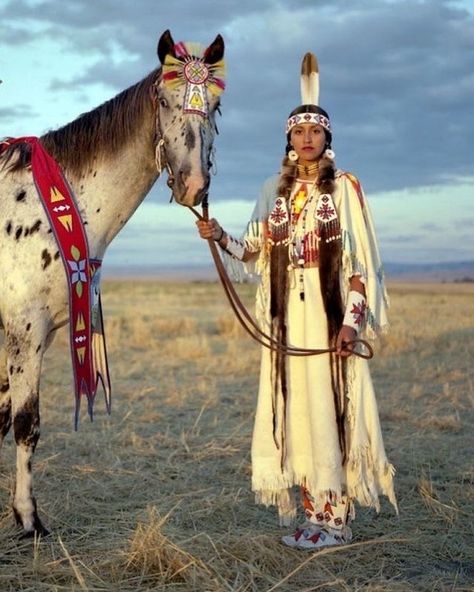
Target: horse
(110, 157)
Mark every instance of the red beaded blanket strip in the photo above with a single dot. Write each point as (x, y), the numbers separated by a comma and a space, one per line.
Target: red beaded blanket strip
(71, 238)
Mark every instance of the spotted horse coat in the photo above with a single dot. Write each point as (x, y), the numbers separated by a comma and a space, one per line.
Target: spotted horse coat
(111, 157)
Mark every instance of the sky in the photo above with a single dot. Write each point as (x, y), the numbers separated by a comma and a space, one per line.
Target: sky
(396, 76)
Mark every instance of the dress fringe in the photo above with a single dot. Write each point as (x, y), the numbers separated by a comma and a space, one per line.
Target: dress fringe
(364, 483)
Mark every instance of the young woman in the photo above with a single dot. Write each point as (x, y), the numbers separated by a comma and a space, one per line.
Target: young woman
(312, 241)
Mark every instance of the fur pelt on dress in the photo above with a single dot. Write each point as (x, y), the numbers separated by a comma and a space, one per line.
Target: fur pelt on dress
(329, 273)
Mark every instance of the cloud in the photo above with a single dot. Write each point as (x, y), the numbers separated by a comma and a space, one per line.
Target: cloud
(402, 238)
(15, 112)
(467, 222)
(430, 227)
(395, 76)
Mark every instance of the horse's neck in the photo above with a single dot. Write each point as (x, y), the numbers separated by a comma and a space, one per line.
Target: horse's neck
(111, 191)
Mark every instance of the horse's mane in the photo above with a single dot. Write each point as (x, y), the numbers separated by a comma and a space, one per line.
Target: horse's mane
(92, 135)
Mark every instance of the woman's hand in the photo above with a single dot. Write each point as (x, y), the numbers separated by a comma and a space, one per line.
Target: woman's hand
(346, 334)
(210, 229)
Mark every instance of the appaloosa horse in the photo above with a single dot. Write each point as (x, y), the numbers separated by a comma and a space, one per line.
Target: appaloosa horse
(111, 157)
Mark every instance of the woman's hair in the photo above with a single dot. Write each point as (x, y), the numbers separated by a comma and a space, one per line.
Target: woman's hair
(329, 255)
(329, 263)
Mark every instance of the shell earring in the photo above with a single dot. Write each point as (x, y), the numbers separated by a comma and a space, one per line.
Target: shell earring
(293, 155)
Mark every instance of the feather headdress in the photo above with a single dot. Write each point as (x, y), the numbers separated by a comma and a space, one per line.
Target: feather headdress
(310, 96)
(309, 80)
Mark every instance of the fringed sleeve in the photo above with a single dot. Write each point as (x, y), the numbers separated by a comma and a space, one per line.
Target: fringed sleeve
(360, 253)
(253, 239)
(368, 471)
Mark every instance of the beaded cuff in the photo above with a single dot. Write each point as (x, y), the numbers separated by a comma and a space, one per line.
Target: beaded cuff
(235, 247)
(355, 310)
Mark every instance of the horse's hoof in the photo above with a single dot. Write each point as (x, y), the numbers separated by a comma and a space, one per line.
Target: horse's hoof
(37, 527)
(39, 531)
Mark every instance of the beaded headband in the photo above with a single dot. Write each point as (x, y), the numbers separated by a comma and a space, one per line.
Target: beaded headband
(308, 117)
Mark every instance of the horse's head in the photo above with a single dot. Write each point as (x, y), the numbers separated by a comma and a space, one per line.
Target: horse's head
(187, 99)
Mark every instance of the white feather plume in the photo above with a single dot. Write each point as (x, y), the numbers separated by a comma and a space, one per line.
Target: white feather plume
(309, 80)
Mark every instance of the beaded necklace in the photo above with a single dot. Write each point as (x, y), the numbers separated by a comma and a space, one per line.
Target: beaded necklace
(299, 206)
(308, 169)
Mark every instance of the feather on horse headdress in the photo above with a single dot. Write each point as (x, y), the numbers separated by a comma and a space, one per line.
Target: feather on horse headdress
(309, 96)
(188, 66)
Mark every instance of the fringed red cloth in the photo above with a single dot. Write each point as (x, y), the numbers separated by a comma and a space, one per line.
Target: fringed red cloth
(87, 340)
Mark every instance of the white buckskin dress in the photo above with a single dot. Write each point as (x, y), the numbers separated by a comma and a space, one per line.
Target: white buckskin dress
(312, 452)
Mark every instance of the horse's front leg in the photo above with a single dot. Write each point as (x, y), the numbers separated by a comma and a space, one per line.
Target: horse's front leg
(5, 402)
(25, 346)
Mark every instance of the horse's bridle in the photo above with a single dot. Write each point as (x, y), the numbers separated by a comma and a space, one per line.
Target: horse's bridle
(159, 139)
(160, 144)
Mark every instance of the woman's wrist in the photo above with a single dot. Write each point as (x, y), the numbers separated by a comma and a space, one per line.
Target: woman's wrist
(221, 235)
(223, 240)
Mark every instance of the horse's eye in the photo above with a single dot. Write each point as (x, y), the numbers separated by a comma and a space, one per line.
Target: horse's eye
(163, 102)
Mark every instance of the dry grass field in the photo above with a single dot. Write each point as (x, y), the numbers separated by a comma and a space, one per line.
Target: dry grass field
(157, 496)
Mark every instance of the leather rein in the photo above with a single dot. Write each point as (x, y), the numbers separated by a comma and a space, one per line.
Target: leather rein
(249, 323)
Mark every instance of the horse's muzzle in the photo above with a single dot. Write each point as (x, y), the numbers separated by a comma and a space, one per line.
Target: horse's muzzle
(189, 190)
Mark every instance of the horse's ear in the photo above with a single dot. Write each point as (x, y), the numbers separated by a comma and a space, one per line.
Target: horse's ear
(215, 52)
(165, 46)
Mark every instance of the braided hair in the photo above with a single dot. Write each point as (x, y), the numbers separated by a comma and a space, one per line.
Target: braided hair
(329, 267)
